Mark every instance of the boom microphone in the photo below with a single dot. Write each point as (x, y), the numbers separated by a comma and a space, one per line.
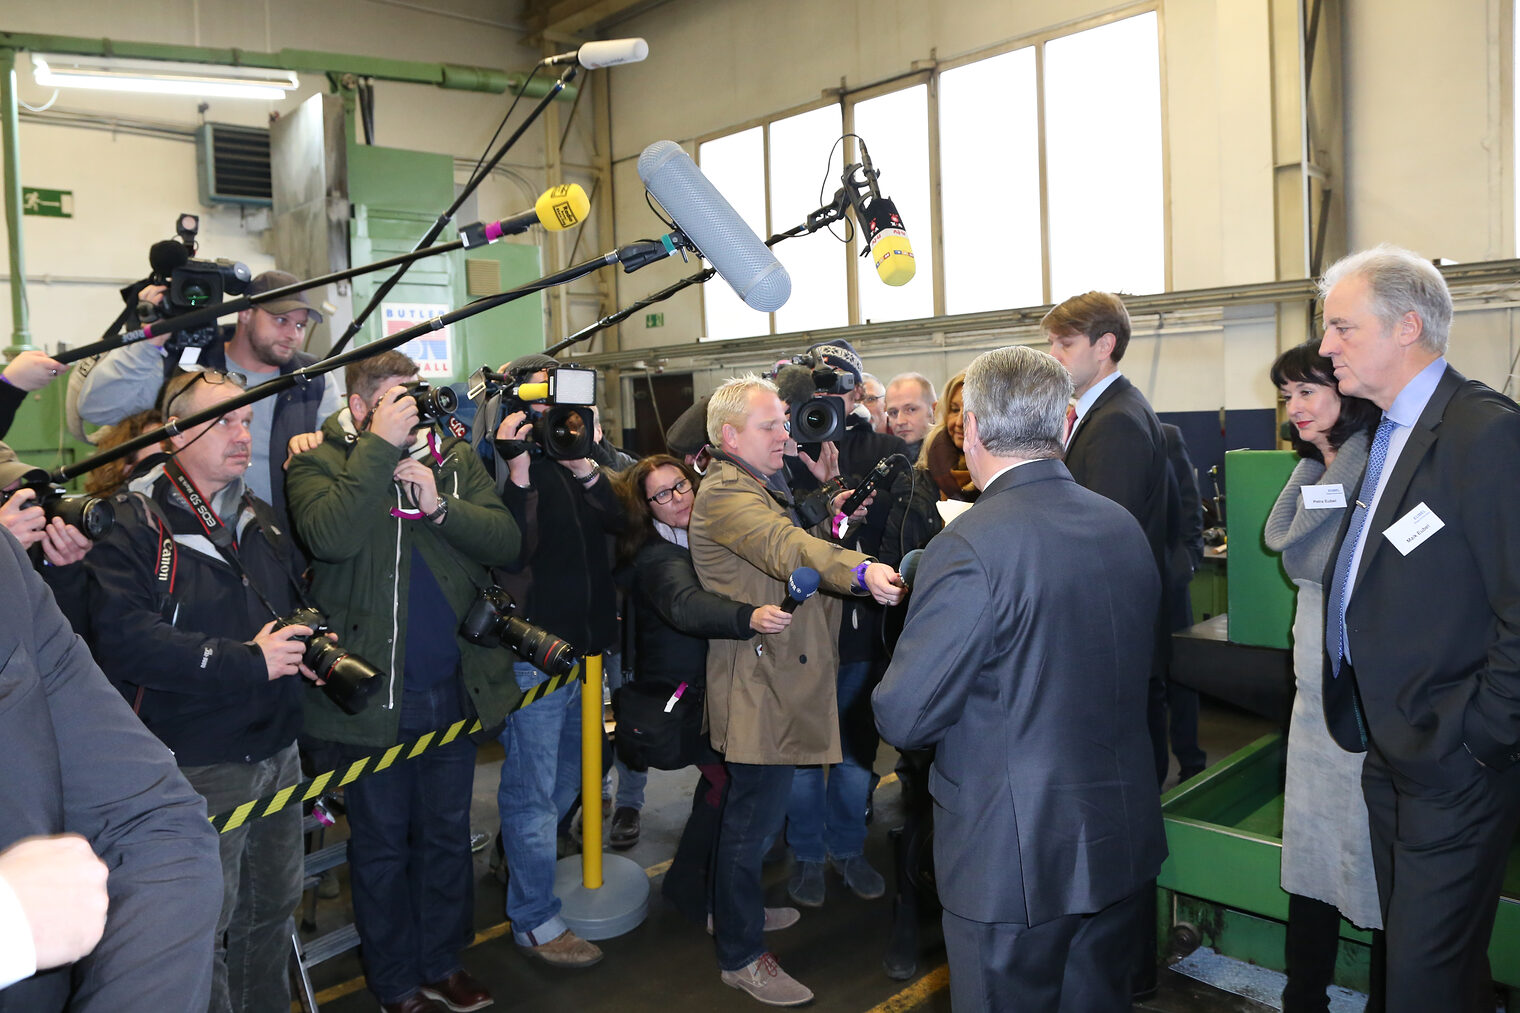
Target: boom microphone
(877, 216)
(714, 227)
(557, 208)
(606, 53)
(800, 586)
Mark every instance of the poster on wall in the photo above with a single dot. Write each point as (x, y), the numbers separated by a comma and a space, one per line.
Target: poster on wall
(431, 351)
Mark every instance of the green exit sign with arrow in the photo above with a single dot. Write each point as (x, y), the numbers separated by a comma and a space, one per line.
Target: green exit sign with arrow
(47, 203)
(654, 320)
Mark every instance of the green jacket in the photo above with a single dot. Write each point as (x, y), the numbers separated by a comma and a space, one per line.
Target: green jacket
(340, 496)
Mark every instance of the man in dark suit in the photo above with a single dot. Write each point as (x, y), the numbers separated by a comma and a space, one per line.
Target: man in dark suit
(1422, 626)
(1024, 660)
(78, 762)
(1115, 448)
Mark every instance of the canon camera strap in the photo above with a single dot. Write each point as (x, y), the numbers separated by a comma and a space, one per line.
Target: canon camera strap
(217, 532)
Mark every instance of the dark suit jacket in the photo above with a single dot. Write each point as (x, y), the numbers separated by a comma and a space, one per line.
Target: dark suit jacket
(1025, 659)
(77, 760)
(1435, 635)
(1119, 451)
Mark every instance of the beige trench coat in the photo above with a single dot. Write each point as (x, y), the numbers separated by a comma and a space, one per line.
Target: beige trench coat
(780, 706)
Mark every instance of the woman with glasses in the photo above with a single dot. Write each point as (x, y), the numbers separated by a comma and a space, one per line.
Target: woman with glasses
(672, 620)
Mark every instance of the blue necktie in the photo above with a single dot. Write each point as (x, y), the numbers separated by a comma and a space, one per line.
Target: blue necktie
(1335, 625)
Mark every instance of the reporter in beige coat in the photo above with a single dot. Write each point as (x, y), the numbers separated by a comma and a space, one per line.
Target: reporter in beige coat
(771, 702)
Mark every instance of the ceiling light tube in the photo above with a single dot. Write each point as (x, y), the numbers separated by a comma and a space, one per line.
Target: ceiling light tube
(204, 80)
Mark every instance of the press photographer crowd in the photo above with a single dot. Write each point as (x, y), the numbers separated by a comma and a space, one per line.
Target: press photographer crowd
(982, 569)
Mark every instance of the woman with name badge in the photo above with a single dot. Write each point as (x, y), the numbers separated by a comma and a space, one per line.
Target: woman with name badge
(1326, 846)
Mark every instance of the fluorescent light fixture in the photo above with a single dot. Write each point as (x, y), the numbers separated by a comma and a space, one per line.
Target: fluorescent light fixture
(205, 80)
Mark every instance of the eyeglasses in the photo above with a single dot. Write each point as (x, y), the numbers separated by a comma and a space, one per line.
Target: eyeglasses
(664, 496)
(211, 376)
(869, 399)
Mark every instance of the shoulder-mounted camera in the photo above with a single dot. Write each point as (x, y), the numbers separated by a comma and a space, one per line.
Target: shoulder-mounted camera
(559, 406)
(191, 284)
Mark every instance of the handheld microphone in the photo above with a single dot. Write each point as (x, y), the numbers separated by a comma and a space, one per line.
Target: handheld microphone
(909, 566)
(714, 227)
(605, 53)
(885, 239)
(868, 485)
(557, 208)
(800, 586)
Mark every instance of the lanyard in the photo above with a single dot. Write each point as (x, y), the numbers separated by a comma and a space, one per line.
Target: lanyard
(216, 531)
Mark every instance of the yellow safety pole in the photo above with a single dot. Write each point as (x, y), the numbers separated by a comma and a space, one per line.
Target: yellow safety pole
(591, 772)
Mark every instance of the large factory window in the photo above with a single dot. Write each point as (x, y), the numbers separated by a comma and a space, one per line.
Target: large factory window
(736, 165)
(895, 127)
(815, 263)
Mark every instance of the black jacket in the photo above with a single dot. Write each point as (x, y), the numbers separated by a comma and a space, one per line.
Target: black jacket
(674, 617)
(566, 584)
(859, 451)
(182, 656)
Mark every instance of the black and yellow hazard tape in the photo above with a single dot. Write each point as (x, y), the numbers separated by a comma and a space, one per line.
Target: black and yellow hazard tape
(305, 791)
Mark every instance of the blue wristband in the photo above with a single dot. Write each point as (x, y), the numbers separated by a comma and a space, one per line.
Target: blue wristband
(860, 575)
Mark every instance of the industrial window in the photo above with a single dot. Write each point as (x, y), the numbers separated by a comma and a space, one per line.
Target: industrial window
(1103, 159)
(736, 166)
(816, 263)
(990, 183)
(895, 127)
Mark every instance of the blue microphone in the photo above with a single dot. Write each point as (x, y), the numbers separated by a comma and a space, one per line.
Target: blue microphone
(800, 586)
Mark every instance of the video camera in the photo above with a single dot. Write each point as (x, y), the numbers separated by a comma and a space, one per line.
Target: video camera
(191, 284)
(92, 515)
(566, 428)
(490, 623)
(347, 679)
(805, 383)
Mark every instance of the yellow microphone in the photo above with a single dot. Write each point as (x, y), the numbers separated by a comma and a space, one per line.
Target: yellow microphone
(887, 241)
(557, 208)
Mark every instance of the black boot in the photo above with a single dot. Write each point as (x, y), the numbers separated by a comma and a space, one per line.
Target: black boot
(901, 961)
(1314, 929)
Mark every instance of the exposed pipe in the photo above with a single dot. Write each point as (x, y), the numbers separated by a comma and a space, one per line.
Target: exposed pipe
(21, 337)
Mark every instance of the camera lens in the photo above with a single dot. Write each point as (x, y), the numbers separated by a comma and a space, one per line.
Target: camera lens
(348, 680)
(547, 652)
(564, 431)
(195, 294)
(91, 515)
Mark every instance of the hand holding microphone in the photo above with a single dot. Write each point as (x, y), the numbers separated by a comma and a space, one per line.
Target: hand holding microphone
(884, 583)
(800, 586)
(770, 619)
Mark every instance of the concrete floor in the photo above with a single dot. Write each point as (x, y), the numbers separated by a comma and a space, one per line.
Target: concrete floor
(666, 964)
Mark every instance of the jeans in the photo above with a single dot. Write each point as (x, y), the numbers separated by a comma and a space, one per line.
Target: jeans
(540, 777)
(752, 811)
(688, 881)
(630, 783)
(829, 819)
(409, 853)
(261, 884)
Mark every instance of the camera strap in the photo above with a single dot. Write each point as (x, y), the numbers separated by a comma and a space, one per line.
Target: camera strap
(216, 532)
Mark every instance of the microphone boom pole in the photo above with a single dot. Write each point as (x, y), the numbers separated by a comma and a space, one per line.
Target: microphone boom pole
(438, 226)
(632, 256)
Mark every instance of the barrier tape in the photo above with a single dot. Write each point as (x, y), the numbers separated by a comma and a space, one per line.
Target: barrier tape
(306, 790)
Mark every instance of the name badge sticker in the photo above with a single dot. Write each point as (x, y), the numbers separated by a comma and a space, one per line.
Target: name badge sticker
(1410, 531)
(1324, 497)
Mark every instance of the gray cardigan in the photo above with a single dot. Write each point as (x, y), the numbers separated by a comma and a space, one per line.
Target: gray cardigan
(1307, 537)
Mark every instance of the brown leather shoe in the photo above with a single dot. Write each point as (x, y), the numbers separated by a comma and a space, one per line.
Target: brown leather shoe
(459, 992)
(414, 1003)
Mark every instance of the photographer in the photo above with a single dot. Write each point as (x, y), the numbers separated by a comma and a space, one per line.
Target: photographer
(265, 342)
(183, 606)
(402, 526)
(565, 509)
(826, 818)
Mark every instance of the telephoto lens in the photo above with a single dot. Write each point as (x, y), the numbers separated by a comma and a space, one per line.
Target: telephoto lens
(490, 624)
(347, 679)
(93, 516)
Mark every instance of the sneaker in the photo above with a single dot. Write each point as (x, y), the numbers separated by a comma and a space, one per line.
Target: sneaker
(776, 919)
(566, 950)
(459, 992)
(863, 881)
(806, 885)
(478, 842)
(625, 828)
(765, 981)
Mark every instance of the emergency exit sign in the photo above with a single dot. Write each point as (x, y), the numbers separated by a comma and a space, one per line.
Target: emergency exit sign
(47, 203)
(654, 320)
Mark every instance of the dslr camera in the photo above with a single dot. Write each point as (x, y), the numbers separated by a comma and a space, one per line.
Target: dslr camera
(565, 429)
(348, 680)
(433, 403)
(191, 283)
(805, 383)
(491, 623)
(92, 515)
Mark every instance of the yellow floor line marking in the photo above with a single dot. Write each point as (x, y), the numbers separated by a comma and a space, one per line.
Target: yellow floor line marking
(657, 868)
(917, 993)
